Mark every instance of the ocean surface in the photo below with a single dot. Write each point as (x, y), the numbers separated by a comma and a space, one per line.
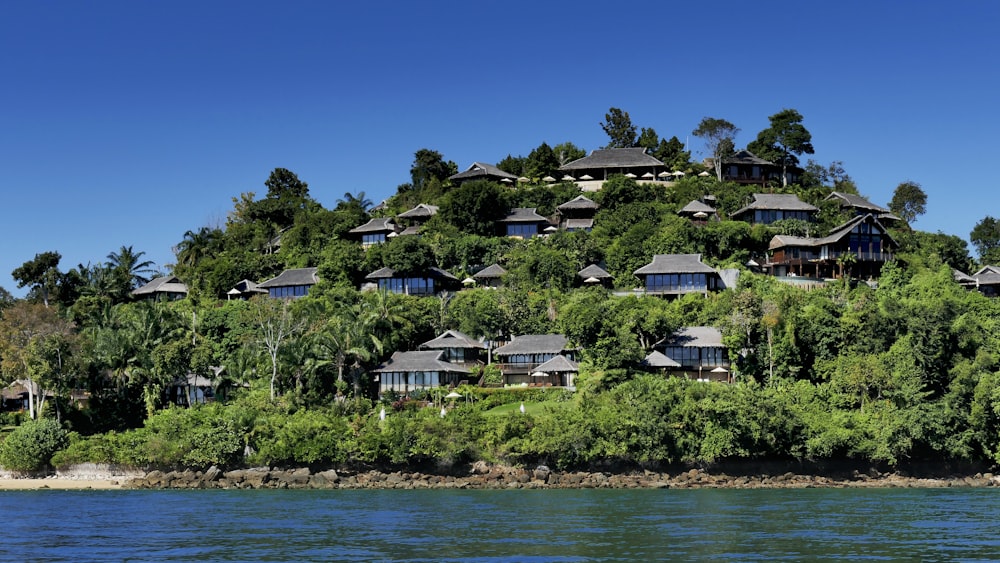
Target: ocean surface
(516, 525)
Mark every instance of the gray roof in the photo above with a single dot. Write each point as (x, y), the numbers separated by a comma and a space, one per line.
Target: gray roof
(494, 271)
(421, 211)
(695, 336)
(962, 277)
(533, 344)
(675, 264)
(856, 201)
(524, 215)
(578, 203)
(419, 361)
(558, 364)
(784, 202)
(987, 275)
(453, 339)
(613, 158)
(295, 277)
(594, 271)
(414, 230)
(744, 156)
(573, 224)
(376, 225)
(246, 286)
(838, 232)
(696, 207)
(164, 284)
(657, 359)
(433, 272)
(482, 170)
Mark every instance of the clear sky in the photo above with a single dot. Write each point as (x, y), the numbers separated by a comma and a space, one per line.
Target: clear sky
(129, 123)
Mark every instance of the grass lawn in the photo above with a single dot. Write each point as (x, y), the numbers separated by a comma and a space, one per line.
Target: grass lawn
(532, 408)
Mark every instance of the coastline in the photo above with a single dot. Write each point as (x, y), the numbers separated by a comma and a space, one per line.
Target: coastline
(57, 483)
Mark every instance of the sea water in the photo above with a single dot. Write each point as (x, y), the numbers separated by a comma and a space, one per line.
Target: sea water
(503, 525)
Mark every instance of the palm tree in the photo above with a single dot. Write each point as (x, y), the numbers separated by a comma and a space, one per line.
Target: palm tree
(346, 340)
(197, 245)
(129, 270)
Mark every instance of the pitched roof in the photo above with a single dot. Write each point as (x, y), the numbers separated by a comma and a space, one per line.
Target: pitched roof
(376, 225)
(574, 224)
(613, 158)
(419, 361)
(853, 200)
(533, 344)
(594, 271)
(494, 271)
(744, 156)
(524, 215)
(481, 170)
(297, 276)
(697, 207)
(693, 336)
(453, 339)
(675, 264)
(987, 275)
(558, 364)
(433, 271)
(163, 284)
(657, 359)
(246, 286)
(577, 203)
(838, 233)
(421, 211)
(784, 202)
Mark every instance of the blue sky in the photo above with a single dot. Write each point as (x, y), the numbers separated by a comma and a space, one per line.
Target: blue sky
(129, 123)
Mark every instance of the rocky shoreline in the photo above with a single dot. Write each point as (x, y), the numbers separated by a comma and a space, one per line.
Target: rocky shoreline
(483, 476)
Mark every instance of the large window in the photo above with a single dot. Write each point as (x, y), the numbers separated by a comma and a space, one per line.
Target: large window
(372, 238)
(288, 291)
(679, 282)
(693, 356)
(523, 230)
(410, 286)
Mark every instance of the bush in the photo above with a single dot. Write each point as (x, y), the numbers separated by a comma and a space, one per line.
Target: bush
(30, 446)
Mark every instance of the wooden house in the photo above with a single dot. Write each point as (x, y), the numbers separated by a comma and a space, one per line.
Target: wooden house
(406, 372)
(376, 231)
(522, 356)
(695, 352)
(291, 284)
(490, 276)
(768, 208)
(591, 171)
(744, 167)
(483, 171)
(986, 280)
(429, 282)
(858, 205)
(577, 214)
(458, 348)
(523, 222)
(677, 274)
(165, 288)
(863, 238)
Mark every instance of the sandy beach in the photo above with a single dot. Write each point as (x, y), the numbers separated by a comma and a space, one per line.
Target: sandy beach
(58, 483)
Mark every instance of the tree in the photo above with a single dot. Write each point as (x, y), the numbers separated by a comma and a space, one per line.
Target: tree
(985, 236)
(475, 207)
(541, 162)
(908, 201)
(671, 153)
(41, 273)
(129, 269)
(34, 342)
(197, 245)
(430, 165)
(285, 184)
(568, 152)
(618, 125)
(719, 136)
(783, 141)
(274, 322)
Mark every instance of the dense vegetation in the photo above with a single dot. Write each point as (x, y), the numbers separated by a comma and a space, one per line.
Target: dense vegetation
(903, 369)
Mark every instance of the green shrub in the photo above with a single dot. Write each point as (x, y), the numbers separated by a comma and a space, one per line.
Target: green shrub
(31, 446)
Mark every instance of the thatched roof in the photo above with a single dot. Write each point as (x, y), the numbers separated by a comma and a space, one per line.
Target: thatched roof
(419, 361)
(533, 344)
(657, 359)
(693, 336)
(558, 364)
(482, 170)
(453, 339)
(594, 271)
(376, 225)
(579, 203)
(432, 272)
(293, 277)
(422, 211)
(613, 158)
(696, 207)
(675, 264)
(783, 202)
(164, 284)
(524, 215)
(489, 272)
